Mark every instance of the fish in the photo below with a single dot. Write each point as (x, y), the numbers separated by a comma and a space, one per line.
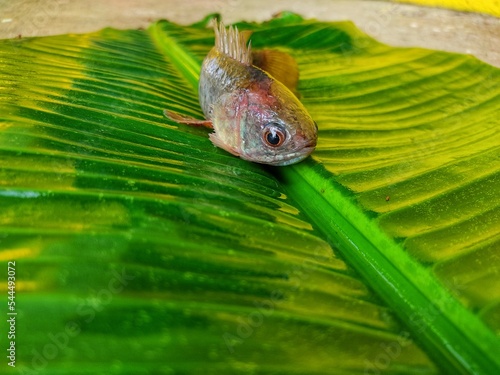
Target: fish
(246, 101)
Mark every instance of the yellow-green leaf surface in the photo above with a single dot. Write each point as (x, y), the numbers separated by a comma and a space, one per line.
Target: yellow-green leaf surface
(140, 248)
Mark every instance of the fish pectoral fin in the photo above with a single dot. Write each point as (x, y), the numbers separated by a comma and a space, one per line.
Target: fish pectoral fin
(280, 65)
(177, 117)
(219, 143)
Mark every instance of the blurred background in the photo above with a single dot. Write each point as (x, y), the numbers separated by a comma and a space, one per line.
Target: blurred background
(394, 23)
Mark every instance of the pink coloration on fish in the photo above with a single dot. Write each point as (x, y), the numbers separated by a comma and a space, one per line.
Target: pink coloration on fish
(253, 114)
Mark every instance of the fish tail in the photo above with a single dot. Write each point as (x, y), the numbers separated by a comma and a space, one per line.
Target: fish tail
(232, 43)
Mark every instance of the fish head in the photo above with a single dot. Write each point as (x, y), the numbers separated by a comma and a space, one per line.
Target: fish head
(264, 125)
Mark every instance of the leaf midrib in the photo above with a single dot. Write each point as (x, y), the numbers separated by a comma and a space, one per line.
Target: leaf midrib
(454, 332)
(456, 338)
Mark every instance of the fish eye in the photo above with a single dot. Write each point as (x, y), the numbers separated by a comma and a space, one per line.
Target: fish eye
(273, 136)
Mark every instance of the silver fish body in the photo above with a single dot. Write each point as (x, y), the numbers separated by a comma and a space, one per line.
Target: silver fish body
(254, 116)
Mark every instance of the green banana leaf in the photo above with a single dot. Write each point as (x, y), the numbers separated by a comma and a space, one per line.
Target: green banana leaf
(134, 246)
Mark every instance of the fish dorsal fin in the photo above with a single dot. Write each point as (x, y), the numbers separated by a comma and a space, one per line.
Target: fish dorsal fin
(232, 43)
(280, 65)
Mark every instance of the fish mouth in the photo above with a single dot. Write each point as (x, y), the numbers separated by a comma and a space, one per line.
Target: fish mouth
(310, 145)
(293, 157)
